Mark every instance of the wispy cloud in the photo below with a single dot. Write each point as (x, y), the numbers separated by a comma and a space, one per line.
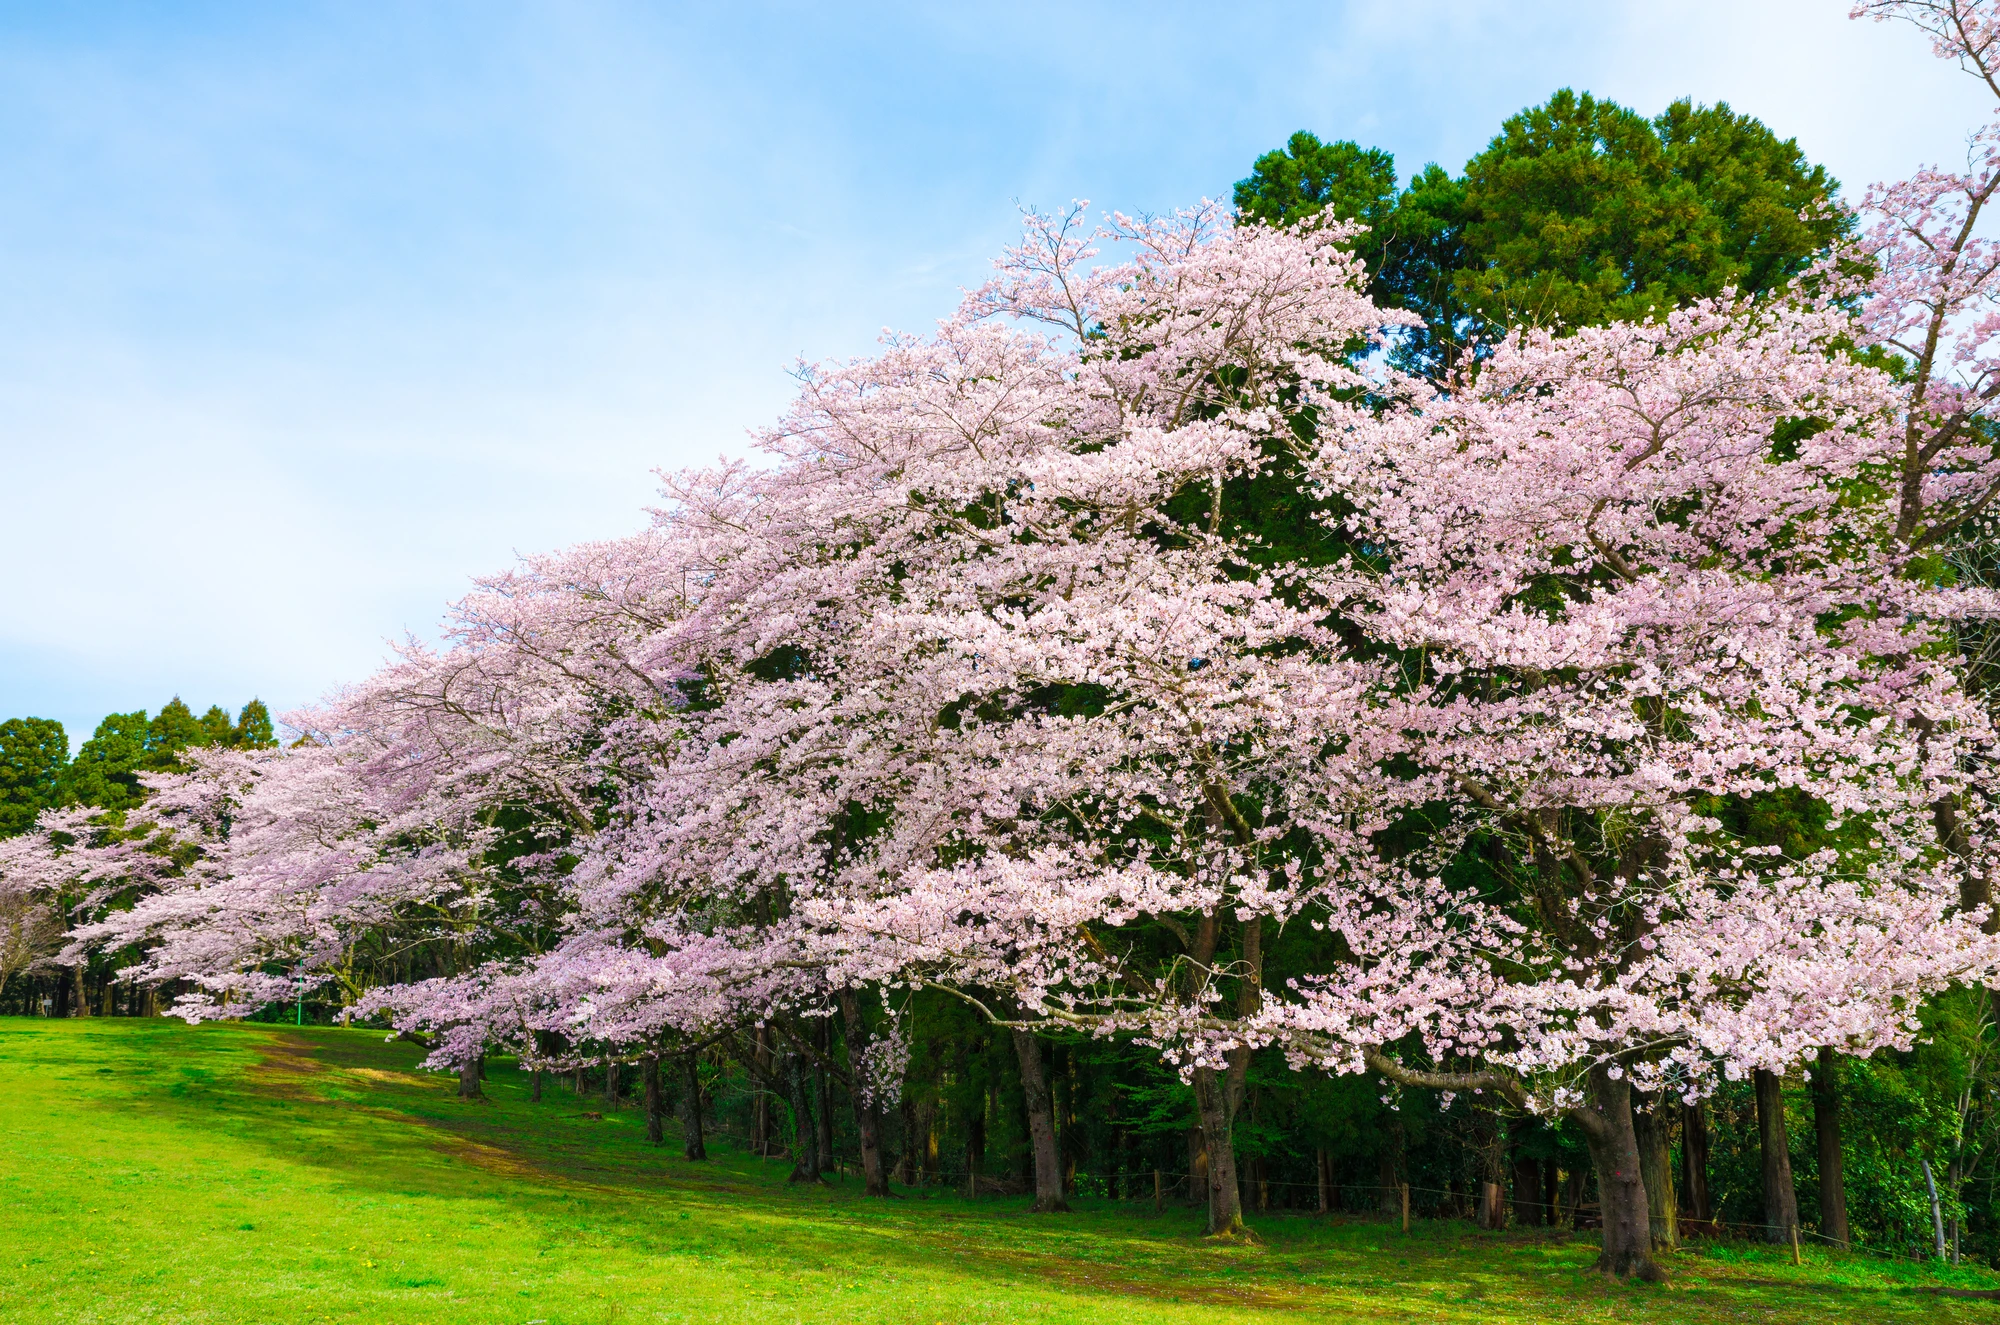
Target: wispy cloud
(308, 313)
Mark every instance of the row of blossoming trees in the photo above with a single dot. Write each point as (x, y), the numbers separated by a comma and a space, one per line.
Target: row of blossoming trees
(1141, 620)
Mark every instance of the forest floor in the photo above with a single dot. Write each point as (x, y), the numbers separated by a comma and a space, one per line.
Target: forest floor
(154, 1172)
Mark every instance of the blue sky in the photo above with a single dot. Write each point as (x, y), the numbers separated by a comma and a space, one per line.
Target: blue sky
(310, 312)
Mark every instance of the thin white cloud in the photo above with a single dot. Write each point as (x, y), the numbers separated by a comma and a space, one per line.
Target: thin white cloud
(309, 317)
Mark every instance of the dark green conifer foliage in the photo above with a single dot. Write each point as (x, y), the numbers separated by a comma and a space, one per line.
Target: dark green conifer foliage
(174, 730)
(33, 753)
(1579, 212)
(104, 770)
(253, 730)
(215, 728)
(1583, 212)
(1307, 176)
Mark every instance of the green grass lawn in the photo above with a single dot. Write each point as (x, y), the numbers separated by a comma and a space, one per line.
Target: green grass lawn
(153, 1172)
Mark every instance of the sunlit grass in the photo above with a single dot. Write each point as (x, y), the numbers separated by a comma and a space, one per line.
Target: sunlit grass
(153, 1172)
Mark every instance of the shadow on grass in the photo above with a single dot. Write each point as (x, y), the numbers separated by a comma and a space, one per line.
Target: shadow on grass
(357, 1109)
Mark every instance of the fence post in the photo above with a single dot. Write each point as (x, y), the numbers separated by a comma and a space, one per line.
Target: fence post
(1159, 1194)
(1406, 1207)
(1795, 1244)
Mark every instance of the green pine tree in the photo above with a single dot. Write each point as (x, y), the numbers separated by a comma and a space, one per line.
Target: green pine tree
(33, 755)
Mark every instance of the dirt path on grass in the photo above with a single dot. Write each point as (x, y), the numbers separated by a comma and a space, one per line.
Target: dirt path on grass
(293, 1068)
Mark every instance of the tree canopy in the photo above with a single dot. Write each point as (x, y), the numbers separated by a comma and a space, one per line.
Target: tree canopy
(1579, 212)
(37, 772)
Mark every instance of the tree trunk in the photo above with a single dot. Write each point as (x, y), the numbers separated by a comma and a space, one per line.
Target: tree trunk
(468, 1078)
(611, 1083)
(823, 1103)
(535, 1085)
(1225, 1203)
(906, 1158)
(1041, 1124)
(1656, 1170)
(1694, 1164)
(1528, 1193)
(1492, 1171)
(760, 1107)
(975, 1148)
(805, 1151)
(1324, 1172)
(1826, 1129)
(692, 1145)
(1606, 1122)
(1388, 1182)
(82, 1003)
(929, 1163)
(649, 1076)
(1781, 1200)
(867, 1108)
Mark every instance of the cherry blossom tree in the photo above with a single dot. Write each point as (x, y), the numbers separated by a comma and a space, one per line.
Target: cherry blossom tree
(1614, 592)
(1934, 303)
(1137, 619)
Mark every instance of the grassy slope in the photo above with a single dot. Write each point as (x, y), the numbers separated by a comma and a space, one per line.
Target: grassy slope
(152, 1172)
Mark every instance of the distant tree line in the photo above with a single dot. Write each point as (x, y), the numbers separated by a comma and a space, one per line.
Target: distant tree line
(38, 773)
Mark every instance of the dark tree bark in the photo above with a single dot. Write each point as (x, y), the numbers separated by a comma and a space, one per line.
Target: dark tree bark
(1605, 1118)
(692, 1145)
(468, 1078)
(867, 1108)
(1781, 1199)
(1492, 1171)
(805, 1149)
(912, 1150)
(1197, 1150)
(760, 1107)
(975, 1148)
(930, 1162)
(1041, 1124)
(1826, 1129)
(1218, 1096)
(1656, 1170)
(1621, 1193)
(1323, 1170)
(649, 1078)
(611, 1083)
(1528, 1193)
(535, 1085)
(1389, 1179)
(1694, 1163)
(1225, 1200)
(823, 1098)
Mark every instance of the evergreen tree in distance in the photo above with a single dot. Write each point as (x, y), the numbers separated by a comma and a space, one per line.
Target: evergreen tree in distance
(33, 752)
(1579, 212)
(37, 773)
